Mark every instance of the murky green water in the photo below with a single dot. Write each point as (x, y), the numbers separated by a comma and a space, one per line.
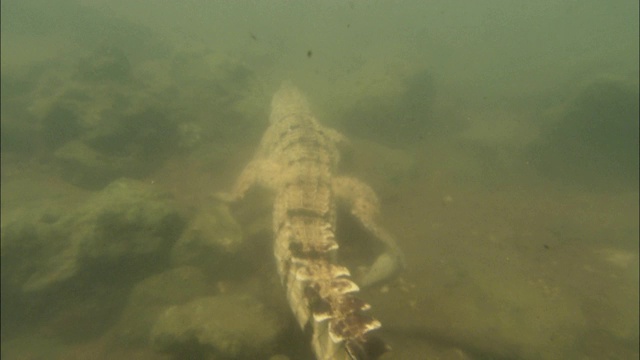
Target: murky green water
(501, 138)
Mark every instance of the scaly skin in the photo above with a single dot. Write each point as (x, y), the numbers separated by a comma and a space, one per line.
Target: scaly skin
(297, 159)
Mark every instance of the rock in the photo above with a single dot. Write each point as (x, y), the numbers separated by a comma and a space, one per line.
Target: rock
(231, 326)
(390, 103)
(37, 251)
(127, 222)
(127, 219)
(104, 115)
(68, 271)
(593, 140)
(99, 124)
(172, 287)
(87, 167)
(212, 237)
(129, 141)
(153, 295)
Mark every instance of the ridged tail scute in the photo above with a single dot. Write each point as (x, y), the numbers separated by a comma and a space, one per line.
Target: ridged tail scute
(301, 228)
(322, 292)
(341, 330)
(350, 323)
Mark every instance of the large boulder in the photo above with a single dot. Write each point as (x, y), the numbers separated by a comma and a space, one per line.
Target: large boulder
(99, 121)
(151, 296)
(228, 326)
(592, 139)
(212, 240)
(119, 235)
(127, 220)
(37, 250)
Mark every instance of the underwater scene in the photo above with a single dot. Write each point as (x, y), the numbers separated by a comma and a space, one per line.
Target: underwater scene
(319, 179)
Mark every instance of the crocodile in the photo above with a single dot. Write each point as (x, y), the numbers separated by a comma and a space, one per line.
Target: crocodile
(297, 160)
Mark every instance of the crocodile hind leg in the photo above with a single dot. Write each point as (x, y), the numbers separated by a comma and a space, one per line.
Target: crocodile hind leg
(364, 205)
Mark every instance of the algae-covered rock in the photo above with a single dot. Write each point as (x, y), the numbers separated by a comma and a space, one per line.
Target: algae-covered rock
(37, 251)
(153, 295)
(108, 114)
(127, 219)
(96, 117)
(66, 271)
(127, 142)
(213, 236)
(231, 326)
(84, 165)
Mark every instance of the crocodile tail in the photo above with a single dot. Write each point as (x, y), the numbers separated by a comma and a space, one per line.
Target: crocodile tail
(320, 293)
(346, 335)
(340, 324)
